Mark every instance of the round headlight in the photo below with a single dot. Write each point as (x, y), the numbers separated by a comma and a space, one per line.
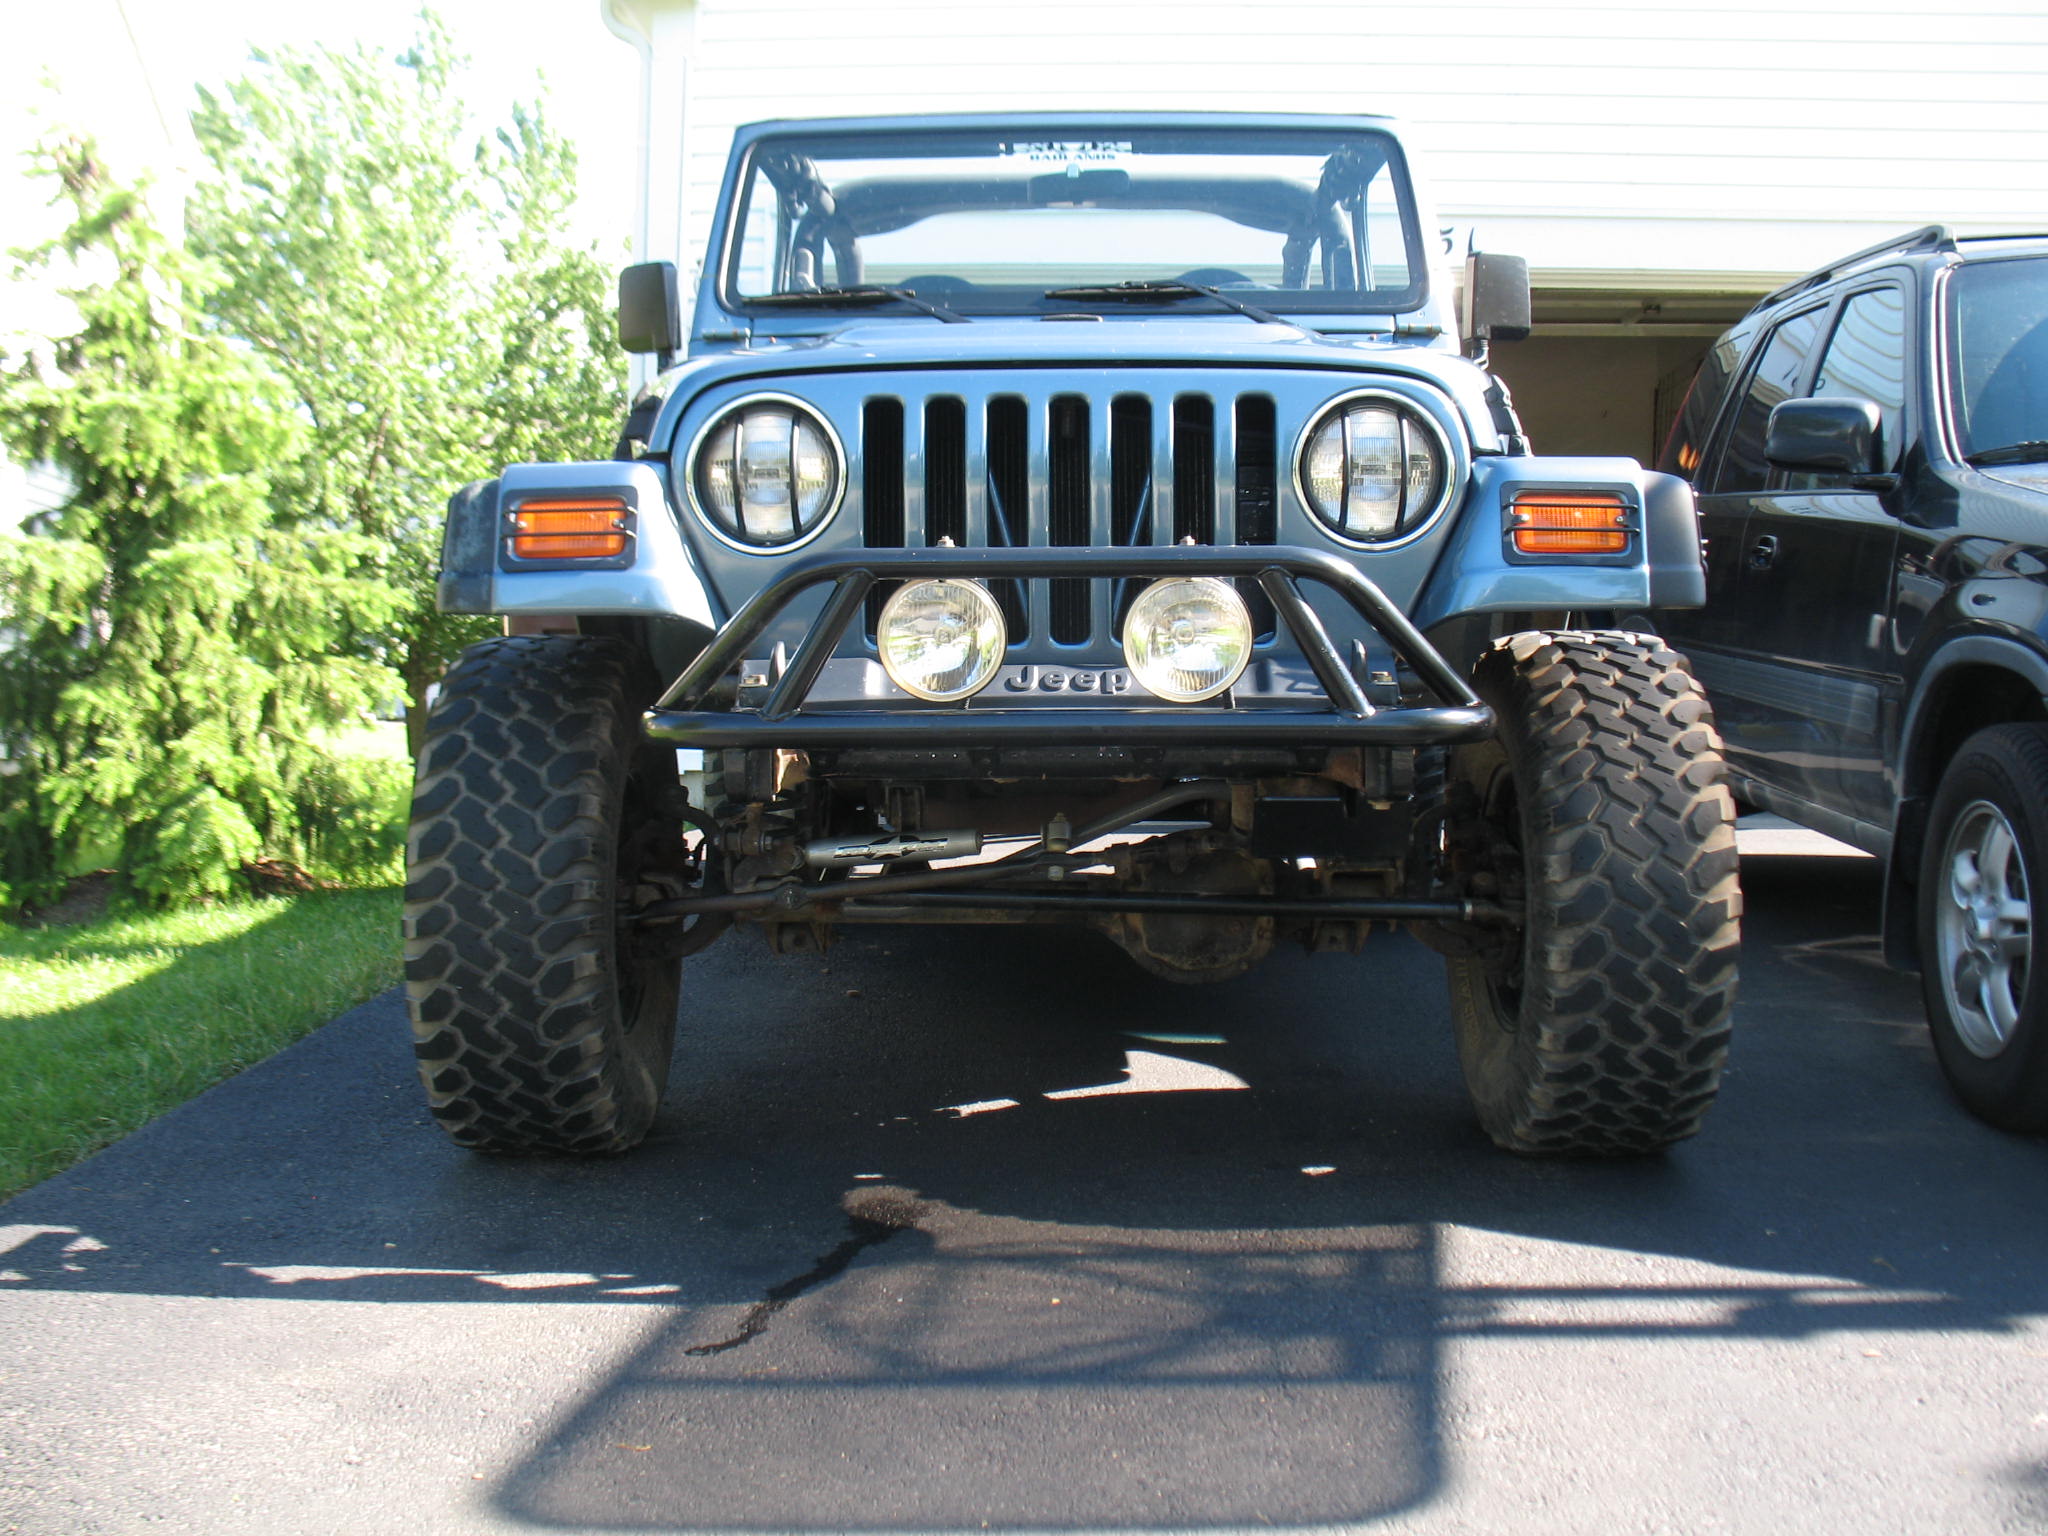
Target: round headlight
(1373, 469)
(941, 640)
(1188, 638)
(766, 474)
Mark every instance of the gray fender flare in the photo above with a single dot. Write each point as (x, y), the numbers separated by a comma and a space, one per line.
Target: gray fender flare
(656, 577)
(1478, 572)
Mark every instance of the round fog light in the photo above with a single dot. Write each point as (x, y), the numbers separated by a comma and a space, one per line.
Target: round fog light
(1188, 638)
(941, 640)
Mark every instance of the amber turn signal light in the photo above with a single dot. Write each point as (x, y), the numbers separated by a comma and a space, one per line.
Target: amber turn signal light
(570, 528)
(1559, 523)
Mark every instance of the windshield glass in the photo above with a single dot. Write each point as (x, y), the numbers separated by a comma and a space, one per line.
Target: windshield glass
(990, 219)
(1999, 332)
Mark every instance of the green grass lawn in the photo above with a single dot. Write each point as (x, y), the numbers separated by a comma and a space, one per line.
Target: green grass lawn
(106, 1024)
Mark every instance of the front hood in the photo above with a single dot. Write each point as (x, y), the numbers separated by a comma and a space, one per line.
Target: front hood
(1117, 341)
(2025, 477)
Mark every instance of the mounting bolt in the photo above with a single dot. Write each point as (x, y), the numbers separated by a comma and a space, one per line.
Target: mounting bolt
(1059, 833)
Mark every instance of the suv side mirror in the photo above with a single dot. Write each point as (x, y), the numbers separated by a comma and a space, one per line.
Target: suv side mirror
(1827, 435)
(1496, 301)
(650, 314)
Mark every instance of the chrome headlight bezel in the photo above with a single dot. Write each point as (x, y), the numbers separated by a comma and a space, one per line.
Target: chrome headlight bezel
(1437, 439)
(687, 472)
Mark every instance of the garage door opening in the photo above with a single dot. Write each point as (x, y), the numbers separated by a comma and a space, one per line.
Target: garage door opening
(1610, 358)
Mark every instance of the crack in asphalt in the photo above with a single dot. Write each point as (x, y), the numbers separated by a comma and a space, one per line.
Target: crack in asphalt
(878, 1216)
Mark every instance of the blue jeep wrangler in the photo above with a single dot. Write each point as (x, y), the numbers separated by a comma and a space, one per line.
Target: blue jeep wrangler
(1090, 519)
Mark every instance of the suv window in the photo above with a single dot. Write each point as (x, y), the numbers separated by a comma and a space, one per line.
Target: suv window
(1777, 376)
(1866, 359)
(2000, 364)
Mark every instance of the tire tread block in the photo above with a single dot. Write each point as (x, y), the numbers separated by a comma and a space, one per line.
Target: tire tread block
(1633, 895)
(509, 950)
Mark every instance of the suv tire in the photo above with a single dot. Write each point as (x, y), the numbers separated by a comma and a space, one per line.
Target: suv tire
(1986, 853)
(539, 1024)
(1600, 805)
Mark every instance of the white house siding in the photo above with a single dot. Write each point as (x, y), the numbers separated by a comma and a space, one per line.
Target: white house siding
(1599, 136)
(1659, 164)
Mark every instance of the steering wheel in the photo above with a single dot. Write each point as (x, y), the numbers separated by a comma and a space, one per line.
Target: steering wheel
(1216, 277)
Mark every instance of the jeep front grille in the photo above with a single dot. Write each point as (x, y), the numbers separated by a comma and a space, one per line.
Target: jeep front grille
(1068, 468)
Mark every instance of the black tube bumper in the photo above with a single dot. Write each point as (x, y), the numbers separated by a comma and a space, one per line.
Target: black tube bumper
(1347, 718)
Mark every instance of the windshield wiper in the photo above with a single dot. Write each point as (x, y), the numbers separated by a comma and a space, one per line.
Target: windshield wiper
(1169, 289)
(864, 293)
(2034, 451)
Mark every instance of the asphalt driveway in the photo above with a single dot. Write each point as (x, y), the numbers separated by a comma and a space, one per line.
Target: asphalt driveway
(989, 1230)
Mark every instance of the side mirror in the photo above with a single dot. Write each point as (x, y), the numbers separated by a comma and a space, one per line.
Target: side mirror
(650, 313)
(1827, 435)
(1496, 301)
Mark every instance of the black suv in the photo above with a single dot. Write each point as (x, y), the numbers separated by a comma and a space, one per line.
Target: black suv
(1868, 451)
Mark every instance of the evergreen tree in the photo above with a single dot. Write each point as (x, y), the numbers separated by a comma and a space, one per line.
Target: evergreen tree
(170, 655)
(409, 281)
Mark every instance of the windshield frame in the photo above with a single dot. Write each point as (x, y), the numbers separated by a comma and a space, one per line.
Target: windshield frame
(1960, 433)
(1344, 308)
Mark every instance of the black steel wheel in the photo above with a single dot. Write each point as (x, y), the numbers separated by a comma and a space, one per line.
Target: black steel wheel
(1985, 856)
(542, 1022)
(1600, 809)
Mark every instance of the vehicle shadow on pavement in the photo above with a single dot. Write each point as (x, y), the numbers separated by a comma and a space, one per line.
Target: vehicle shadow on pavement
(991, 1229)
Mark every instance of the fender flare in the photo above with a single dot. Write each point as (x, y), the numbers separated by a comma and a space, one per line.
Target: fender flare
(1918, 774)
(658, 577)
(1477, 571)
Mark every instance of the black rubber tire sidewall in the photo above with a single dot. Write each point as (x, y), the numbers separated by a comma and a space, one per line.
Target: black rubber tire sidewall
(538, 1028)
(1616, 1040)
(2006, 766)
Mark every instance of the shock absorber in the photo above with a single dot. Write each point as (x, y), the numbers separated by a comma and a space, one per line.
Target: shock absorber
(891, 848)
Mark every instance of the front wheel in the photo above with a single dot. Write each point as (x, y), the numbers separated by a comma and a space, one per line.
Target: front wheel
(1599, 808)
(542, 1022)
(1986, 854)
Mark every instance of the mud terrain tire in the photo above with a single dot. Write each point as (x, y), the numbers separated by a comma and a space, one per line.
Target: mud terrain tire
(539, 1025)
(1601, 806)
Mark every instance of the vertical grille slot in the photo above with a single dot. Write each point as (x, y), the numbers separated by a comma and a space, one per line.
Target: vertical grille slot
(1009, 499)
(881, 489)
(1194, 469)
(1067, 510)
(1130, 470)
(945, 470)
(1133, 506)
(1258, 495)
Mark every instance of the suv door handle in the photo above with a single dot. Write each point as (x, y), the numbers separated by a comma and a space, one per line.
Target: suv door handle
(1763, 552)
